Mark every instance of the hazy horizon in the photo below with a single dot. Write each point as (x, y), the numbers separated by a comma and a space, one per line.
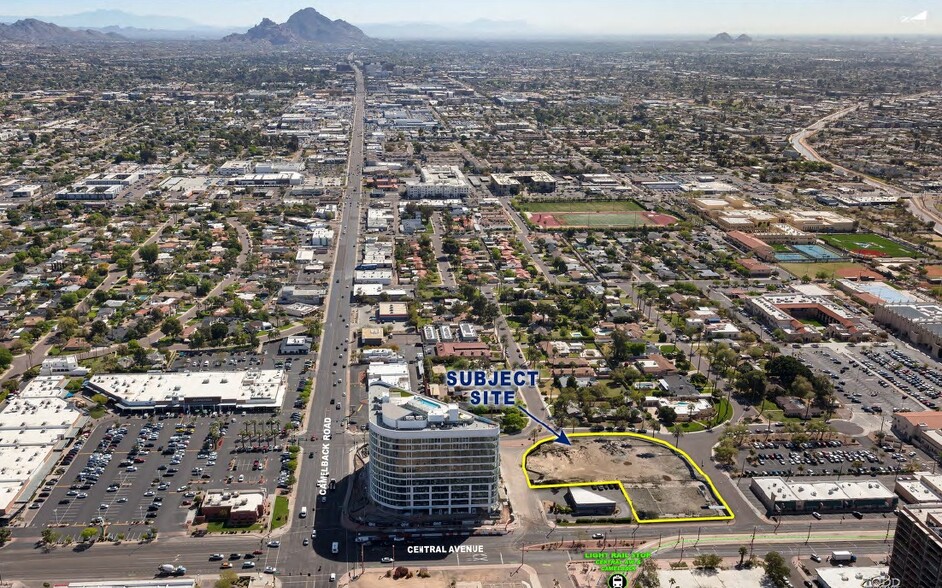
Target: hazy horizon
(599, 17)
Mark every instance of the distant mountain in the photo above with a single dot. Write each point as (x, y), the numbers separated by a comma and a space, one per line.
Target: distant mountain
(35, 31)
(727, 38)
(195, 34)
(478, 29)
(97, 19)
(138, 27)
(304, 26)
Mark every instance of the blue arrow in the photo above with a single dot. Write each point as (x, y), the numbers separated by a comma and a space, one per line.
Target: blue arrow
(560, 436)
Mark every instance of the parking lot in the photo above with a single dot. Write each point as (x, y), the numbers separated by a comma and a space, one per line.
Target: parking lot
(872, 392)
(145, 469)
(823, 458)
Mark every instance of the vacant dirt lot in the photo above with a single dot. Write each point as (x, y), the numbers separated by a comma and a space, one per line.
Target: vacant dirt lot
(479, 577)
(592, 459)
(660, 483)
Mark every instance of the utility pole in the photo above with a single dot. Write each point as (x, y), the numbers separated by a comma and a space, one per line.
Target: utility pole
(887, 538)
(808, 538)
(753, 541)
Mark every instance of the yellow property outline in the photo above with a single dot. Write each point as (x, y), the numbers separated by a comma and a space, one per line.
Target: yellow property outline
(727, 517)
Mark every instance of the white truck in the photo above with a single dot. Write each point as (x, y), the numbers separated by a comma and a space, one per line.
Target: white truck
(170, 570)
(843, 556)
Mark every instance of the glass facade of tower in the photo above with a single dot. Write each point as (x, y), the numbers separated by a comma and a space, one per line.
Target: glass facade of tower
(435, 471)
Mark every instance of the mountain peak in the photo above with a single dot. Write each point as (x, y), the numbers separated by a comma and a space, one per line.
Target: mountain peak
(34, 31)
(304, 26)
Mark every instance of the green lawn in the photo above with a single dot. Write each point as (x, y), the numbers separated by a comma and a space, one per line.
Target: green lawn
(692, 427)
(562, 206)
(724, 411)
(881, 246)
(281, 513)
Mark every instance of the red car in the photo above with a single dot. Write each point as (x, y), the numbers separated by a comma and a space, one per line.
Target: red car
(258, 552)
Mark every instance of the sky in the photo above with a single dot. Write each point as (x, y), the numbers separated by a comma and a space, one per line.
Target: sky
(608, 17)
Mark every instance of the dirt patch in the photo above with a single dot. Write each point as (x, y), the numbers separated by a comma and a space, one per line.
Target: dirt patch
(596, 459)
(659, 482)
(480, 577)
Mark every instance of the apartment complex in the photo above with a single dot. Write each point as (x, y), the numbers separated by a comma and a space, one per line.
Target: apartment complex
(429, 457)
(916, 559)
(439, 181)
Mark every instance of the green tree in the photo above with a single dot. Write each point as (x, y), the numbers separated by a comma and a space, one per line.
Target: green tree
(227, 579)
(752, 384)
(6, 358)
(667, 415)
(148, 253)
(69, 299)
(218, 331)
(785, 368)
(776, 569)
(100, 399)
(512, 421)
(743, 550)
(88, 533)
(67, 327)
(647, 577)
(49, 536)
(5, 535)
(707, 561)
(171, 327)
(677, 431)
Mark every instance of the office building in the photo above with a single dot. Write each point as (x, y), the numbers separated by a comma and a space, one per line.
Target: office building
(781, 497)
(443, 181)
(916, 557)
(921, 323)
(429, 457)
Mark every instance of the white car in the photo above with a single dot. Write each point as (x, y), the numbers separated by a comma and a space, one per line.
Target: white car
(387, 560)
(271, 570)
(248, 564)
(274, 543)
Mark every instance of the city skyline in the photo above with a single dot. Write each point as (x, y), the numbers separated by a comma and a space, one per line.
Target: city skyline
(596, 17)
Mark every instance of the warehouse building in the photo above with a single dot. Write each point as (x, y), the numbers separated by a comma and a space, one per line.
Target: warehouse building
(782, 497)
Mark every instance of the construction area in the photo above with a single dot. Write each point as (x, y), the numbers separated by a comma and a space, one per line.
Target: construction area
(659, 483)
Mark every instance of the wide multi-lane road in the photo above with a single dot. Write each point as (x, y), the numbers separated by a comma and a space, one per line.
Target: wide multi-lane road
(329, 400)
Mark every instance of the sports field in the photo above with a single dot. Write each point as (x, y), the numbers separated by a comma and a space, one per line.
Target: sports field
(561, 206)
(811, 269)
(868, 244)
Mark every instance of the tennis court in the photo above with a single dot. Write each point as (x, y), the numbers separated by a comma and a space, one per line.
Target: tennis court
(818, 253)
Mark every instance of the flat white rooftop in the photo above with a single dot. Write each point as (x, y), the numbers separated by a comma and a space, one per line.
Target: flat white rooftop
(855, 577)
(242, 389)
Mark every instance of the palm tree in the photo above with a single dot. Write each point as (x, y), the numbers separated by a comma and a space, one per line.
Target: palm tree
(742, 554)
(678, 432)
